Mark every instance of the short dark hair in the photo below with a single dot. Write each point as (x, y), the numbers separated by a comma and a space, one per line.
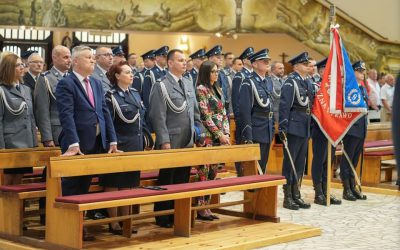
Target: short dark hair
(227, 54)
(131, 54)
(172, 52)
(235, 59)
(115, 69)
(203, 77)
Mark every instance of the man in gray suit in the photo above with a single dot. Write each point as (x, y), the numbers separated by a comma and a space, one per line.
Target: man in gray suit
(104, 60)
(173, 113)
(45, 108)
(277, 72)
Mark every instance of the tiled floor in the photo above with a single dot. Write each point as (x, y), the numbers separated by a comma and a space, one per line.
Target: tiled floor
(371, 224)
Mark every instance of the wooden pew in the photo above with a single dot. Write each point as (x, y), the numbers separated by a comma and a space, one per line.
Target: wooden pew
(12, 197)
(259, 204)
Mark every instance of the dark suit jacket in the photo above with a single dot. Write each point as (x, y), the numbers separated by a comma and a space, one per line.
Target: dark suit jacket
(77, 116)
(29, 81)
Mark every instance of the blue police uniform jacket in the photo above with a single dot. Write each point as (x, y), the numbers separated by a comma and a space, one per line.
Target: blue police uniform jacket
(224, 85)
(194, 73)
(148, 82)
(138, 79)
(256, 121)
(236, 82)
(294, 114)
(129, 135)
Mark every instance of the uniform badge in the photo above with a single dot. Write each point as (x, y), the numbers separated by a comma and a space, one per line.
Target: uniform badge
(354, 97)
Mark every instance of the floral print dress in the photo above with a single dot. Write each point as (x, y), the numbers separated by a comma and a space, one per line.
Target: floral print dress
(216, 123)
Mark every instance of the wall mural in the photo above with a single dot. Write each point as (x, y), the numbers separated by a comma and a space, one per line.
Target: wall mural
(305, 20)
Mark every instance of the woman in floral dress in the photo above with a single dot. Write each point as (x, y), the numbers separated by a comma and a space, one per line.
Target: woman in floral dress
(216, 123)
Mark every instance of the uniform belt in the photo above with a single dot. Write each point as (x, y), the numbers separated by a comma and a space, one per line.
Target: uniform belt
(264, 114)
(306, 110)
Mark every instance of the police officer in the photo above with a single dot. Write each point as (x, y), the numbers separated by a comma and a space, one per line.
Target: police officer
(127, 112)
(236, 83)
(354, 142)
(118, 54)
(320, 153)
(155, 74)
(138, 78)
(198, 58)
(239, 78)
(215, 55)
(45, 107)
(17, 122)
(294, 128)
(255, 107)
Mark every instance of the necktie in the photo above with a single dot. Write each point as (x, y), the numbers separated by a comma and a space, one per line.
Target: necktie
(18, 87)
(89, 91)
(181, 85)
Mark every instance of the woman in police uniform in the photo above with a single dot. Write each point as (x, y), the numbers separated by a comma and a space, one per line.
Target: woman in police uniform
(17, 122)
(214, 119)
(353, 142)
(127, 111)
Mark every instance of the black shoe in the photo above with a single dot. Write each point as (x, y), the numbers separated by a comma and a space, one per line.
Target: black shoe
(95, 215)
(214, 216)
(165, 225)
(204, 217)
(319, 198)
(297, 197)
(288, 201)
(335, 201)
(347, 193)
(355, 192)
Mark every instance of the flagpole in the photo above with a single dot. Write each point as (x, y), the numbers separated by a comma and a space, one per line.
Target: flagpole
(329, 175)
(332, 17)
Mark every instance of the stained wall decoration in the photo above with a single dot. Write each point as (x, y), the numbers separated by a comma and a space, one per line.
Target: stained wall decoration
(305, 20)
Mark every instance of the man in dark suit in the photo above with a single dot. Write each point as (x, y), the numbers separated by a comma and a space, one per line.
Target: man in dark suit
(35, 67)
(86, 123)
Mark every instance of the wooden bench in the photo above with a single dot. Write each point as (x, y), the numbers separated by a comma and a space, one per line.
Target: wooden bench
(12, 197)
(372, 169)
(387, 166)
(259, 204)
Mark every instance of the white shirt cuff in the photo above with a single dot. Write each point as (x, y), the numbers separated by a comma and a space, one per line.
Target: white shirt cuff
(73, 145)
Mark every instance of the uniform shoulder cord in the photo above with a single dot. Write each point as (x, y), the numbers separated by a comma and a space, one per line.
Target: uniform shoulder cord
(169, 102)
(120, 114)
(15, 112)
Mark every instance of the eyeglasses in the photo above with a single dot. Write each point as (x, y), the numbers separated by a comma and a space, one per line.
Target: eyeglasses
(105, 54)
(18, 65)
(37, 62)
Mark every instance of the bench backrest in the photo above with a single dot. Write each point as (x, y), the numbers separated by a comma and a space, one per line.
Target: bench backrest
(26, 157)
(148, 160)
